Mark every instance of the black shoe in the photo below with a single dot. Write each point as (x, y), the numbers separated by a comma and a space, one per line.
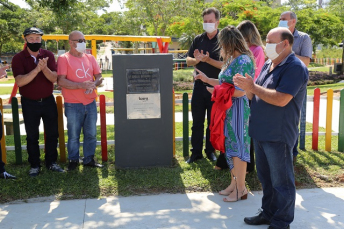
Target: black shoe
(55, 168)
(73, 164)
(193, 158)
(34, 171)
(256, 220)
(211, 156)
(94, 164)
(272, 227)
(6, 175)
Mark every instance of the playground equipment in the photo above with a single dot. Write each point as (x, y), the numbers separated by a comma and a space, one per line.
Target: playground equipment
(161, 41)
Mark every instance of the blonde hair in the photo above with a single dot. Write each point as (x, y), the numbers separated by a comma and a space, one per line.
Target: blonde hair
(231, 40)
(250, 33)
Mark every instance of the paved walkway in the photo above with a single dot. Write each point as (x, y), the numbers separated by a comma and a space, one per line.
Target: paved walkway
(315, 209)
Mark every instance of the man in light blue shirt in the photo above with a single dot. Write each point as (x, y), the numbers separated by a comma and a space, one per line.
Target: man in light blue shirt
(302, 47)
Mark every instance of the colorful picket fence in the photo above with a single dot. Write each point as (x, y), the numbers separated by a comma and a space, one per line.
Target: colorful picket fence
(315, 125)
(62, 145)
(102, 104)
(327, 61)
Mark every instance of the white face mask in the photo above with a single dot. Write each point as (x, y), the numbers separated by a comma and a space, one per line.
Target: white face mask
(283, 24)
(209, 27)
(81, 47)
(270, 50)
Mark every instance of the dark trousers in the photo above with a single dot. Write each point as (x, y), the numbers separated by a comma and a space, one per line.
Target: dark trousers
(2, 164)
(276, 174)
(200, 103)
(33, 111)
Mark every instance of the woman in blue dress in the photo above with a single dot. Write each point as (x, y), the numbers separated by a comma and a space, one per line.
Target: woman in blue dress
(237, 59)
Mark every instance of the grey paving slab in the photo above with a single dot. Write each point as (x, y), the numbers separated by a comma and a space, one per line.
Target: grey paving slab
(315, 209)
(52, 214)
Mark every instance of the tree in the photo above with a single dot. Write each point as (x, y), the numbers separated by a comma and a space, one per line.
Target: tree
(7, 5)
(69, 15)
(66, 16)
(337, 7)
(156, 15)
(12, 24)
(322, 27)
(296, 5)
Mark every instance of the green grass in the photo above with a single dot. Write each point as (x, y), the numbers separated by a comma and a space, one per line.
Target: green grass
(6, 90)
(313, 64)
(182, 91)
(180, 177)
(9, 81)
(108, 94)
(107, 73)
(324, 88)
(320, 69)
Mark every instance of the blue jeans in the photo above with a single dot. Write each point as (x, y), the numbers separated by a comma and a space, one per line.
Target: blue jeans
(274, 162)
(85, 117)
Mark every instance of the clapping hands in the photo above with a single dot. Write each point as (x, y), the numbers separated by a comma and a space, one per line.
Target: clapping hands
(200, 56)
(3, 72)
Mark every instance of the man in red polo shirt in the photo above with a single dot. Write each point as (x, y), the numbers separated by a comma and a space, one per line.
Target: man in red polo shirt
(34, 70)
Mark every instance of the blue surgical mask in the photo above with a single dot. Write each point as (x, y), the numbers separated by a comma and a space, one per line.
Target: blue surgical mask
(283, 24)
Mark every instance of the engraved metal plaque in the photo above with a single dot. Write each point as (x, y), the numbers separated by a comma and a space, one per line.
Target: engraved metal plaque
(143, 106)
(143, 81)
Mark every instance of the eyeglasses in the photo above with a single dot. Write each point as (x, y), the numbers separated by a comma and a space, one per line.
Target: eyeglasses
(80, 40)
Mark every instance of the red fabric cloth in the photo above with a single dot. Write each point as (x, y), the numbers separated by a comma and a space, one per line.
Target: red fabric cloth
(222, 97)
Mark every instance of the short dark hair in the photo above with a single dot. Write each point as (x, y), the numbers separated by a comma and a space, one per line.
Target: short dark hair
(212, 10)
(286, 35)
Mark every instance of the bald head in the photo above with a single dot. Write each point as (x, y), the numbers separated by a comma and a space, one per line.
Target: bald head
(76, 38)
(281, 34)
(75, 35)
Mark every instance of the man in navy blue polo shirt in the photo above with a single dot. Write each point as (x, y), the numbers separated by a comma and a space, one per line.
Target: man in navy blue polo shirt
(204, 54)
(34, 70)
(277, 97)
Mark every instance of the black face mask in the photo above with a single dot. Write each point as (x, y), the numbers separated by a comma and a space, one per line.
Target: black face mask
(34, 47)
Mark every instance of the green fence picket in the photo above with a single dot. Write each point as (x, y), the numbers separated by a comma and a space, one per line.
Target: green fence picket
(185, 125)
(341, 123)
